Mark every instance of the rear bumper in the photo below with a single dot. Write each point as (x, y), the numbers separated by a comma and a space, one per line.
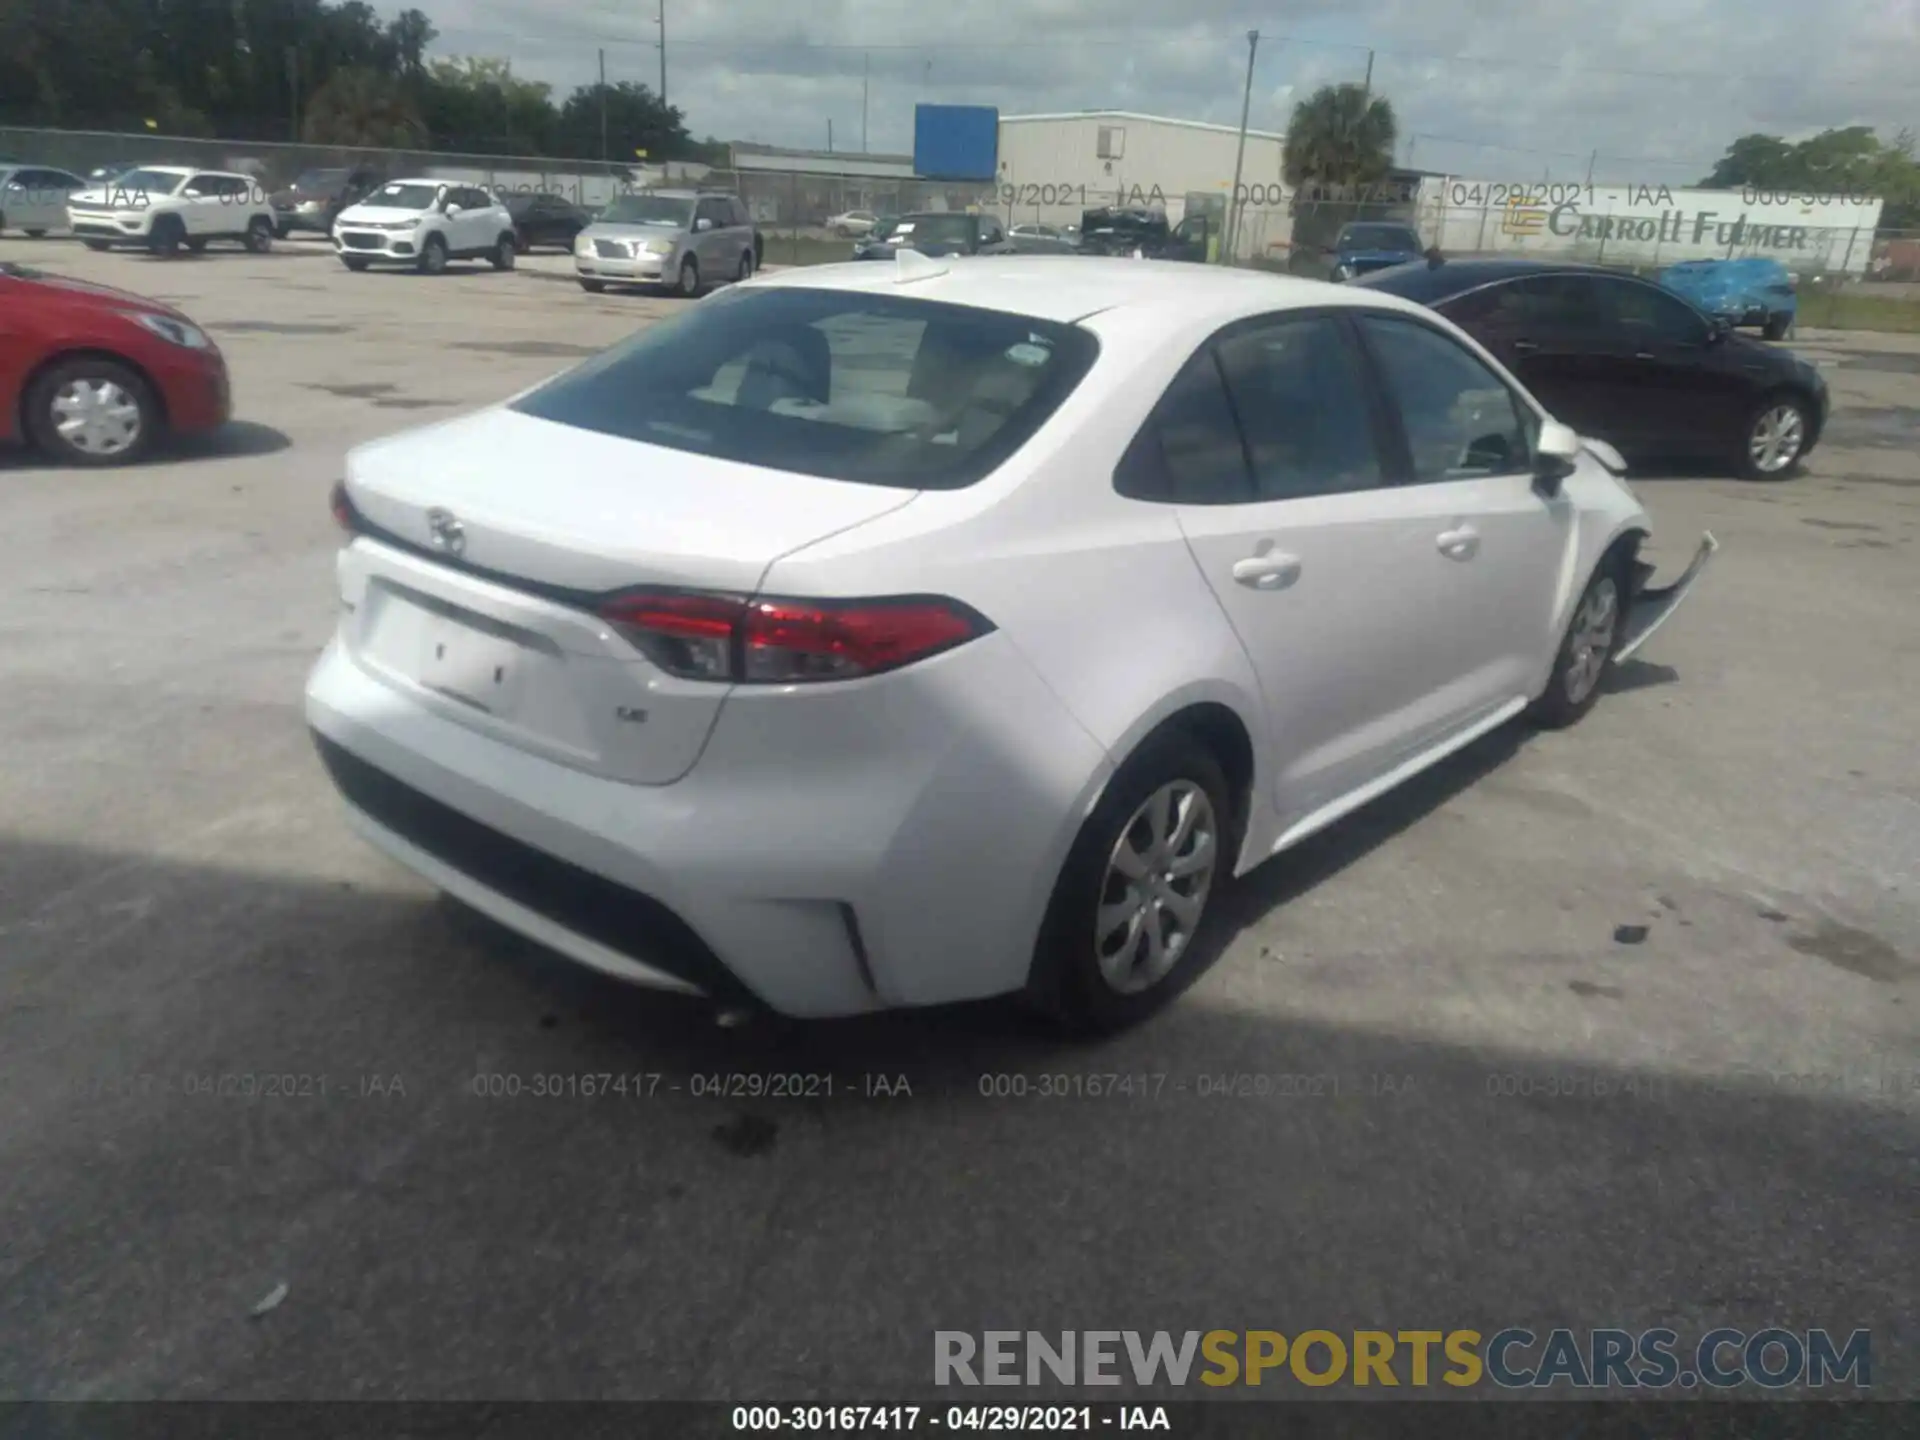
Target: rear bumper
(832, 853)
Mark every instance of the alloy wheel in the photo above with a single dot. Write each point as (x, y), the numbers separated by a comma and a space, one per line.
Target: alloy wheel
(1592, 639)
(96, 417)
(1156, 886)
(1777, 439)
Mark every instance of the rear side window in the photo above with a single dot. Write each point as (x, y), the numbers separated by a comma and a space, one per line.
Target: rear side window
(1189, 452)
(877, 389)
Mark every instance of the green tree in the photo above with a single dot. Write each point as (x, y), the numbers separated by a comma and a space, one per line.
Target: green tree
(636, 120)
(362, 109)
(1843, 162)
(1340, 135)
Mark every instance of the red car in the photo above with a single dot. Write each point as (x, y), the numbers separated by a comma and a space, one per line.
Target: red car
(94, 376)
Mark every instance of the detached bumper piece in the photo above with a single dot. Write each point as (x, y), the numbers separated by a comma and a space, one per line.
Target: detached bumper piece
(1649, 608)
(590, 905)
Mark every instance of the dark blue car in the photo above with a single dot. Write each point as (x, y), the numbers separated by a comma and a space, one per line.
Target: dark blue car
(1369, 245)
(1752, 290)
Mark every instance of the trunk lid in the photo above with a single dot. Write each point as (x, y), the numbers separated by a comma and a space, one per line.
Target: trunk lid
(490, 536)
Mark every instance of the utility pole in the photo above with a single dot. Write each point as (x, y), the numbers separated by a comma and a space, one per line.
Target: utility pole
(662, 23)
(1368, 86)
(603, 105)
(1240, 155)
(866, 87)
(829, 136)
(1591, 161)
(293, 88)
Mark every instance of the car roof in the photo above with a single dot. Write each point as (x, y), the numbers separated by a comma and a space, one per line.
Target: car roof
(1069, 289)
(1421, 280)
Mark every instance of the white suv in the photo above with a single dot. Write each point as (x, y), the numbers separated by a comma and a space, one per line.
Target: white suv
(424, 224)
(163, 207)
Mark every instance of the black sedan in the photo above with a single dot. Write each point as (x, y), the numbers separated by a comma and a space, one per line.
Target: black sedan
(1627, 361)
(544, 219)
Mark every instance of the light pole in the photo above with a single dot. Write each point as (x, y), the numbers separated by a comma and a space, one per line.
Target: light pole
(1240, 154)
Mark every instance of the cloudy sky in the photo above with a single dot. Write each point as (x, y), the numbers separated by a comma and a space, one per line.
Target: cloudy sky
(1499, 89)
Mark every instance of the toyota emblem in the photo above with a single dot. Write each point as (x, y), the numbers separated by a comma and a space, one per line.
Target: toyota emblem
(446, 531)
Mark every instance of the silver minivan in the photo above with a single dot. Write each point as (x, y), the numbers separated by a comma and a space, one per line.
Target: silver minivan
(684, 240)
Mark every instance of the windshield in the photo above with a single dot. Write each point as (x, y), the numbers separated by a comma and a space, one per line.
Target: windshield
(402, 195)
(319, 179)
(911, 394)
(1378, 237)
(148, 182)
(649, 210)
(930, 230)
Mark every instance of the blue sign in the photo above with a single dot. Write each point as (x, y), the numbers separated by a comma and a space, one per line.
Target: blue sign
(956, 142)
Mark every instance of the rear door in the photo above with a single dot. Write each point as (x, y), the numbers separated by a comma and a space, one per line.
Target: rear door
(1271, 444)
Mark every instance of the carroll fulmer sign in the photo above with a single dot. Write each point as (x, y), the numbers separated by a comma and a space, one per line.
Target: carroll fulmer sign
(1651, 223)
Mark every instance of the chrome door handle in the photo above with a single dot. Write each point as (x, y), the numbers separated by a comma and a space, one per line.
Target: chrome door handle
(1271, 571)
(1460, 544)
(1523, 346)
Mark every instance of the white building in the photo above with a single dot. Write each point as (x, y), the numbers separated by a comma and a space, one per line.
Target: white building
(1648, 225)
(1052, 167)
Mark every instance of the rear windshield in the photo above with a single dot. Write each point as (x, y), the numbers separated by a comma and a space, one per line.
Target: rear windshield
(1379, 237)
(876, 389)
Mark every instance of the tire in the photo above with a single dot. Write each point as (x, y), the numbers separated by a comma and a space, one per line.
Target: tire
(1777, 327)
(504, 252)
(593, 287)
(521, 243)
(166, 236)
(96, 245)
(1580, 664)
(1071, 983)
(259, 236)
(353, 263)
(689, 278)
(433, 256)
(745, 272)
(92, 382)
(281, 232)
(36, 234)
(197, 245)
(1786, 417)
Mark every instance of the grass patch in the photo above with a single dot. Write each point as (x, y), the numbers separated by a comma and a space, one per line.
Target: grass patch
(805, 250)
(1858, 310)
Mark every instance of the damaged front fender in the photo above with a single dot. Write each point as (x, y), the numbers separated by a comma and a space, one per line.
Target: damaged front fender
(1649, 608)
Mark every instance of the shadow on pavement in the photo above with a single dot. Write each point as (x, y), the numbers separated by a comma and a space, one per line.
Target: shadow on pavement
(482, 1173)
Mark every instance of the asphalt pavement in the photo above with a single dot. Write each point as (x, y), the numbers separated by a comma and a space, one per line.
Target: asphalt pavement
(1610, 1027)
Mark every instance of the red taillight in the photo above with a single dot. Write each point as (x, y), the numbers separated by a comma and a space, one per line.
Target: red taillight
(778, 641)
(344, 514)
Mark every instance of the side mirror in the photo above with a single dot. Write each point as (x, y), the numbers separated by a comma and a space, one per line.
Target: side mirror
(1719, 329)
(450, 209)
(702, 225)
(1556, 455)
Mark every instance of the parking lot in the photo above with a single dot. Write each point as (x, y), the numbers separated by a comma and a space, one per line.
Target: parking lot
(1618, 1026)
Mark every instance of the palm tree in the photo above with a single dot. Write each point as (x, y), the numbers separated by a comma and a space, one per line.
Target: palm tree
(362, 109)
(1340, 135)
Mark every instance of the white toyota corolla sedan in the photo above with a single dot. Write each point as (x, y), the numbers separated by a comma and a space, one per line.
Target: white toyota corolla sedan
(872, 636)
